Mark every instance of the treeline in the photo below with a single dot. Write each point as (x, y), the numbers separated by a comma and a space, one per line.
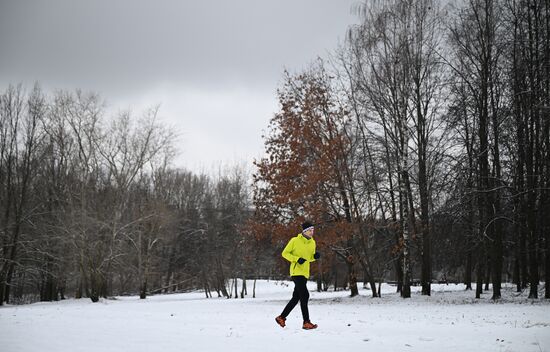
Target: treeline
(420, 148)
(90, 205)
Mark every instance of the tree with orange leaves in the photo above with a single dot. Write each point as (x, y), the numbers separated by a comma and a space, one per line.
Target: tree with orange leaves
(303, 173)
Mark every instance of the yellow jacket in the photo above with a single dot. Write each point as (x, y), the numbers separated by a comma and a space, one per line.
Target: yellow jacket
(299, 247)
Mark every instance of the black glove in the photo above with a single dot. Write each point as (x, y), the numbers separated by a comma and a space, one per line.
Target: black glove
(317, 255)
(301, 261)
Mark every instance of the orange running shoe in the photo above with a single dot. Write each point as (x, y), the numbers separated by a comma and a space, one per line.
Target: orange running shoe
(308, 325)
(281, 321)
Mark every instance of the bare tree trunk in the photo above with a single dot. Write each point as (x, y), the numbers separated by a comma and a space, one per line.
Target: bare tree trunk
(468, 270)
(169, 273)
(547, 268)
(350, 263)
(354, 291)
(487, 272)
(546, 193)
(205, 285)
(243, 290)
(221, 278)
(94, 286)
(365, 263)
(480, 269)
(319, 277)
(497, 231)
(406, 291)
(368, 277)
(143, 289)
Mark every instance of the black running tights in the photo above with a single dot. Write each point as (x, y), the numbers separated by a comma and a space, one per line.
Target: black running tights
(300, 294)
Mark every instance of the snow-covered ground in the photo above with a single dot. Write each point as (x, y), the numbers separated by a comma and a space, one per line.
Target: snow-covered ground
(450, 320)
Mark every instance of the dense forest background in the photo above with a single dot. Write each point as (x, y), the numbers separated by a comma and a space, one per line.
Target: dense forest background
(420, 148)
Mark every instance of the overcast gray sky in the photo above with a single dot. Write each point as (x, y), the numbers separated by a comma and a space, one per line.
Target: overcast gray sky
(214, 66)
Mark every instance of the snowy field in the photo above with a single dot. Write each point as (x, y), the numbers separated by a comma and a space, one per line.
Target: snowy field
(450, 320)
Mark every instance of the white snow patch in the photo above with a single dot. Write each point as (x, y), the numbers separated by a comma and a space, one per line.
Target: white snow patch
(450, 320)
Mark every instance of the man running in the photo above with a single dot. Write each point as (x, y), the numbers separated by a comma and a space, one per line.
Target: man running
(300, 251)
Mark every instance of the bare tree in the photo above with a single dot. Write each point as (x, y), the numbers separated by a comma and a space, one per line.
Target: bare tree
(23, 139)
